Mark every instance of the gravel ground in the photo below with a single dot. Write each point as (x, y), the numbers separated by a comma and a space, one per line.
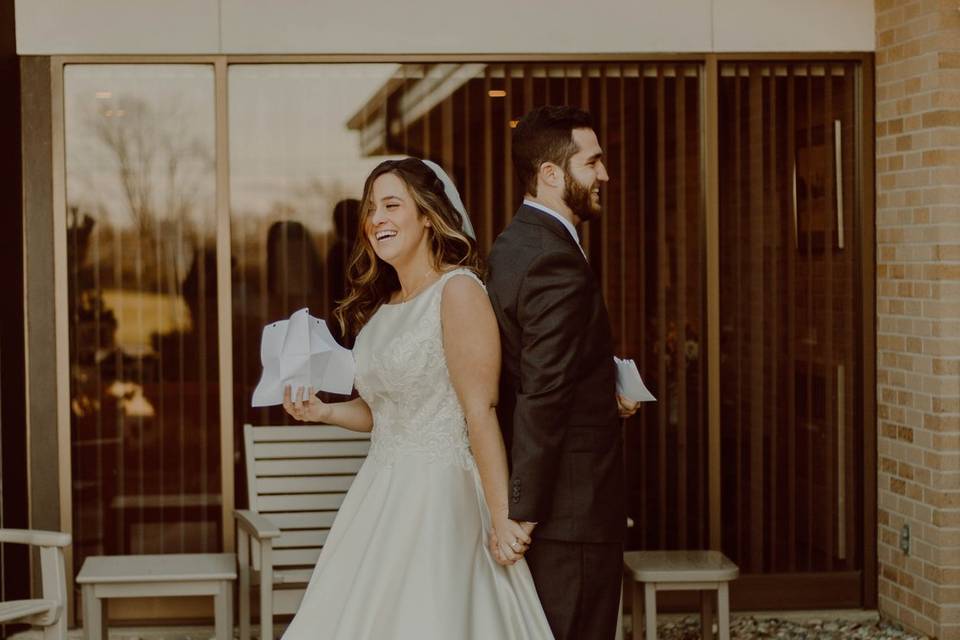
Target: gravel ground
(749, 627)
(686, 628)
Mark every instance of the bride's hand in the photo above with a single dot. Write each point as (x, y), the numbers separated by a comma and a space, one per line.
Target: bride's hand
(305, 407)
(511, 540)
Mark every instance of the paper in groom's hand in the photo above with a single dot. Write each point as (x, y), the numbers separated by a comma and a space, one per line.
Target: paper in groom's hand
(301, 352)
(629, 383)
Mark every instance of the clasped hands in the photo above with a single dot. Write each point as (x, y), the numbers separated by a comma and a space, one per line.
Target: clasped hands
(509, 539)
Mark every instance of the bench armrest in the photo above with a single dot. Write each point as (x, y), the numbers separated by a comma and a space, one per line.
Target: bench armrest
(256, 525)
(35, 537)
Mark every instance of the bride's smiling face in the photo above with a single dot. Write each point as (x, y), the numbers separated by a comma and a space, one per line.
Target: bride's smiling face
(393, 225)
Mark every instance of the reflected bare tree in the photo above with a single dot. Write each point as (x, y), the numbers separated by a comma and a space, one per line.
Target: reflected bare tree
(162, 167)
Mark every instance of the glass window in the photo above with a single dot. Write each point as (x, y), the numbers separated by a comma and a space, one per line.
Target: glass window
(142, 302)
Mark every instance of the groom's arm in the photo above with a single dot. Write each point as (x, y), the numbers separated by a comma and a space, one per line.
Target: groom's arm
(551, 312)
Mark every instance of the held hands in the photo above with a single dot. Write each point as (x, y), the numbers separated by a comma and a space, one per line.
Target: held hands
(305, 407)
(509, 539)
(626, 406)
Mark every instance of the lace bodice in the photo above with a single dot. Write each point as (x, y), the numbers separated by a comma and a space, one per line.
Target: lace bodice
(402, 375)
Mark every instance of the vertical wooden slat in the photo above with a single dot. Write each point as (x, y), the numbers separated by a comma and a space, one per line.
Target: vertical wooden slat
(641, 241)
(680, 286)
(467, 132)
(775, 305)
(447, 138)
(828, 357)
(807, 265)
(604, 188)
(709, 313)
(625, 344)
(405, 130)
(757, 321)
(791, 331)
(425, 137)
(663, 510)
(507, 204)
(488, 225)
(585, 105)
(528, 72)
(739, 328)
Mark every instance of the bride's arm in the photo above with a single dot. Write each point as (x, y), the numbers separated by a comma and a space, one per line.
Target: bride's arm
(304, 406)
(471, 344)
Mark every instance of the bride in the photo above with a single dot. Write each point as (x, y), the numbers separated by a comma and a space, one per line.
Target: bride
(407, 557)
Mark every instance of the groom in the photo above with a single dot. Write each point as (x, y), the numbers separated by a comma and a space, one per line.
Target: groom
(558, 406)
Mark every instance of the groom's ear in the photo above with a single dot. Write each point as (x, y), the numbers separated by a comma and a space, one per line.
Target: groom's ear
(550, 175)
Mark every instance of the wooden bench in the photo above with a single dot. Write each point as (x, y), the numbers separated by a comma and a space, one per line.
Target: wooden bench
(297, 477)
(703, 571)
(183, 574)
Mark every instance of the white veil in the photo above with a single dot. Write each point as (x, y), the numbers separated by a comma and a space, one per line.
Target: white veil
(454, 196)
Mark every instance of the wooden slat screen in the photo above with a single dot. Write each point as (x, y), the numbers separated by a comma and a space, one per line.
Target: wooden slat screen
(789, 306)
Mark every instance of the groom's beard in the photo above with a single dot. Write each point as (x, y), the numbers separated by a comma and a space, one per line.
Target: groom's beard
(578, 197)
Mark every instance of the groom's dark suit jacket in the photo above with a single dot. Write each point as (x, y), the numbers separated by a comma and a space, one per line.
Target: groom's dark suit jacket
(557, 405)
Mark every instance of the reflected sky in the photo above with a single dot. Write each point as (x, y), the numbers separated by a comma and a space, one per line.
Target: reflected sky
(289, 141)
(140, 141)
(142, 137)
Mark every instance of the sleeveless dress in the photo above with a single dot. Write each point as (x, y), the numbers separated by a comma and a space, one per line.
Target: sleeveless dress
(406, 557)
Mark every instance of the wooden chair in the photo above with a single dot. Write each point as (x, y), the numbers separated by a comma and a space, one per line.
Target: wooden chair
(297, 477)
(50, 611)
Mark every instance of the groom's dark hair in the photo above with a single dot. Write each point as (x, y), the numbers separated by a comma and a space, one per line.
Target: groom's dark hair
(545, 135)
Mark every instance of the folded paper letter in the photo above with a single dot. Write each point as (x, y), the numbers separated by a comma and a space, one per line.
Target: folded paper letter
(629, 383)
(301, 352)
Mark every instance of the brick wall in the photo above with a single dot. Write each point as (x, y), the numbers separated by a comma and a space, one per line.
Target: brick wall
(918, 308)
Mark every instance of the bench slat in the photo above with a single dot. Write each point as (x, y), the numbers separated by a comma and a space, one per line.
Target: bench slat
(305, 434)
(306, 520)
(301, 538)
(335, 449)
(312, 467)
(295, 557)
(304, 484)
(302, 502)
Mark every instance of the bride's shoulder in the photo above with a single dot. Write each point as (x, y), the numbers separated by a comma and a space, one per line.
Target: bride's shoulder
(457, 277)
(462, 293)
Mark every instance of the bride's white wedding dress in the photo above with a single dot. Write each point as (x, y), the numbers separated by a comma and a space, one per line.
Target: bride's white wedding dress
(407, 555)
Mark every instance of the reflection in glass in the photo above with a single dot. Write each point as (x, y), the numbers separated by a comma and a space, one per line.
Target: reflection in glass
(296, 170)
(142, 305)
(303, 138)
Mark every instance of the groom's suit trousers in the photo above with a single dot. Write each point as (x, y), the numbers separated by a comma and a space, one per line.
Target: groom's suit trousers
(579, 586)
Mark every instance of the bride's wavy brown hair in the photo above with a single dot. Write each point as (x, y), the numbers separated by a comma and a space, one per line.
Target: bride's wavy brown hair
(370, 280)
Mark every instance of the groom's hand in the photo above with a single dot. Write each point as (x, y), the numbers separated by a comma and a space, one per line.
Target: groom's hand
(626, 406)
